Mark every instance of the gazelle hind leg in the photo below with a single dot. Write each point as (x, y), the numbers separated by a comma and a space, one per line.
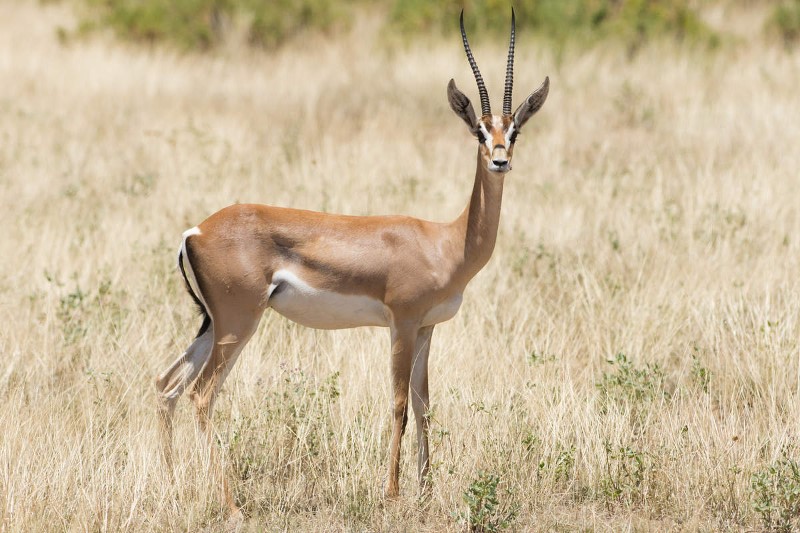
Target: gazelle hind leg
(173, 381)
(229, 340)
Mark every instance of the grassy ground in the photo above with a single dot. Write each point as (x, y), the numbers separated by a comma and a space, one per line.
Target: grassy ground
(628, 360)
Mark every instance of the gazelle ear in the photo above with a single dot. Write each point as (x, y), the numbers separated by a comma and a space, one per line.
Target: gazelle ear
(461, 105)
(532, 104)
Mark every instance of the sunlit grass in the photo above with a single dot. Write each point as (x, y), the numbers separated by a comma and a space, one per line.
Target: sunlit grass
(651, 212)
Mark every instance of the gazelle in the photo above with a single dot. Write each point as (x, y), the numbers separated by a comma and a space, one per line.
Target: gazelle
(334, 271)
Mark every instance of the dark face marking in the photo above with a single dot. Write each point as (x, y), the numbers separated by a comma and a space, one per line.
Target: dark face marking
(494, 135)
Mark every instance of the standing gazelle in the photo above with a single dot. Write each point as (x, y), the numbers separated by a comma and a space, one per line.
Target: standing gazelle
(333, 271)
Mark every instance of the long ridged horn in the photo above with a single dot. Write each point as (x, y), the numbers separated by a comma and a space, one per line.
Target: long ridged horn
(509, 70)
(485, 107)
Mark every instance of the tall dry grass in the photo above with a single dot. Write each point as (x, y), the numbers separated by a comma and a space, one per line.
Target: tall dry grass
(652, 212)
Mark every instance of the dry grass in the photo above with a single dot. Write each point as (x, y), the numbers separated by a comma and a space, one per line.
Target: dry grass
(652, 212)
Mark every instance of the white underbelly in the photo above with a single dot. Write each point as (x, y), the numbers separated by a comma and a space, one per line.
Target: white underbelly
(298, 301)
(442, 312)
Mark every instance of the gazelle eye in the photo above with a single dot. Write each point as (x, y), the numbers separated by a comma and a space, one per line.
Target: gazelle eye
(513, 136)
(481, 137)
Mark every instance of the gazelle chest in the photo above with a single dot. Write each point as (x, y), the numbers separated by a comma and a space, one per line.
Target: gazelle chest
(298, 301)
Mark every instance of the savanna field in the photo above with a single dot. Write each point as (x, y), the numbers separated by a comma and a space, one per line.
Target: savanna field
(629, 359)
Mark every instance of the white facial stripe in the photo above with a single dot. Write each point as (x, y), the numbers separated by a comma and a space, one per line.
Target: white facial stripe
(509, 133)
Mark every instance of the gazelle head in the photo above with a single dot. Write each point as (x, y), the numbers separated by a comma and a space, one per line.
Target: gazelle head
(496, 134)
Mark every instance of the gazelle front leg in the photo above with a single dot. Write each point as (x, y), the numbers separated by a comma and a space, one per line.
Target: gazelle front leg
(404, 336)
(421, 403)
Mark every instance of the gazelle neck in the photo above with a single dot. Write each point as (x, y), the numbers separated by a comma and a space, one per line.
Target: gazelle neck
(476, 227)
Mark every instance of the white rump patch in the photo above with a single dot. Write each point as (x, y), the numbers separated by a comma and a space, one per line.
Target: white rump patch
(187, 266)
(300, 302)
(192, 231)
(188, 233)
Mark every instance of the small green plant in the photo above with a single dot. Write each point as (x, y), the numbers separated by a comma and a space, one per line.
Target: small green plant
(564, 463)
(297, 421)
(479, 406)
(785, 22)
(308, 408)
(533, 262)
(71, 315)
(626, 470)
(485, 513)
(531, 441)
(775, 492)
(700, 374)
(81, 310)
(560, 461)
(537, 358)
(629, 383)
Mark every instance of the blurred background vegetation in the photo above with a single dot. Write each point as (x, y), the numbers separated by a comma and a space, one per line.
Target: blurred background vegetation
(205, 24)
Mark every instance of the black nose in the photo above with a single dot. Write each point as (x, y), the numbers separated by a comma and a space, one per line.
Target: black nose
(500, 162)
